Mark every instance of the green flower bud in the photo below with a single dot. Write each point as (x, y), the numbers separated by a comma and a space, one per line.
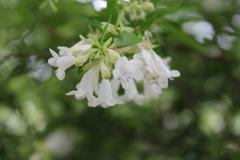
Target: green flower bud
(80, 60)
(105, 73)
(110, 27)
(125, 29)
(113, 55)
(148, 6)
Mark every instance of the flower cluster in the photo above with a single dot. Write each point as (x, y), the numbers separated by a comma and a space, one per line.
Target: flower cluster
(119, 66)
(137, 9)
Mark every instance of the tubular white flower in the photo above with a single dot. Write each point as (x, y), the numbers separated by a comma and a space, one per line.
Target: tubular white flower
(126, 70)
(115, 85)
(164, 70)
(104, 96)
(67, 57)
(61, 62)
(111, 78)
(87, 85)
(81, 48)
(151, 91)
(130, 94)
(78, 49)
(201, 30)
(155, 70)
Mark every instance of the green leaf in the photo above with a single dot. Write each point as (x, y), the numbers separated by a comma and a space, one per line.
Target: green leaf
(43, 4)
(127, 39)
(159, 13)
(112, 10)
(105, 30)
(53, 5)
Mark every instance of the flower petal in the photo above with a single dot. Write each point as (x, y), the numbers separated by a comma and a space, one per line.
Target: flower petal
(54, 54)
(52, 62)
(65, 62)
(60, 73)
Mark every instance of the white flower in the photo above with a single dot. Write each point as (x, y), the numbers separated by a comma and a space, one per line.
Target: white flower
(130, 94)
(163, 69)
(146, 67)
(69, 56)
(79, 49)
(226, 41)
(60, 142)
(104, 95)
(97, 94)
(115, 85)
(99, 5)
(151, 90)
(201, 30)
(126, 70)
(87, 85)
(111, 78)
(236, 21)
(61, 62)
(155, 69)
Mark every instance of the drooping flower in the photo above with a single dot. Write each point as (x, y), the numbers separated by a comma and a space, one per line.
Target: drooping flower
(154, 67)
(226, 41)
(151, 91)
(76, 50)
(104, 95)
(61, 62)
(116, 72)
(67, 57)
(126, 70)
(130, 94)
(87, 86)
(201, 30)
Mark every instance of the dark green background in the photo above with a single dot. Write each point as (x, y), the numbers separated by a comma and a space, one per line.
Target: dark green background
(196, 118)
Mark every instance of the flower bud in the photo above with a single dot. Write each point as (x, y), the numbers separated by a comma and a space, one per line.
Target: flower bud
(80, 48)
(113, 55)
(110, 27)
(80, 60)
(126, 29)
(148, 6)
(104, 71)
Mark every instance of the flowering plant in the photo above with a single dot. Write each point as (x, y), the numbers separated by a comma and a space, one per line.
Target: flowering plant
(116, 59)
(117, 63)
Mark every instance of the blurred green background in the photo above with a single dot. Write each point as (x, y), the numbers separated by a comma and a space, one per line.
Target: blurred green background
(196, 118)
